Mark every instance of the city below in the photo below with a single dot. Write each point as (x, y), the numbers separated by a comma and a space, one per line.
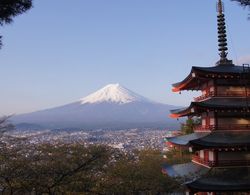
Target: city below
(125, 140)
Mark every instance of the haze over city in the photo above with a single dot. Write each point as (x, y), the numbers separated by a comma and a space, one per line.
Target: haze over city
(59, 52)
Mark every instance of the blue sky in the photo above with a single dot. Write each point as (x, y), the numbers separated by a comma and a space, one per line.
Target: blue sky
(60, 51)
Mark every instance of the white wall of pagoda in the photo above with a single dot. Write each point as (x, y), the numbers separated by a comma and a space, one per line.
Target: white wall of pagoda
(211, 156)
(202, 154)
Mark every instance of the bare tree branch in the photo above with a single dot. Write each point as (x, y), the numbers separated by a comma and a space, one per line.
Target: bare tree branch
(5, 125)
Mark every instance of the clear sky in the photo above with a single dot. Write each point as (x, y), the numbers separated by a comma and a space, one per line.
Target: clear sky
(61, 50)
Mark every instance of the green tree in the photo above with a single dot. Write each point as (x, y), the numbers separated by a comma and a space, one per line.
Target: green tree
(77, 169)
(65, 168)
(243, 2)
(13, 164)
(5, 125)
(139, 174)
(51, 169)
(189, 125)
(11, 8)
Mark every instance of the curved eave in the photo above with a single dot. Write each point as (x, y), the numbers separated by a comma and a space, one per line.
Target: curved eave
(190, 82)
(185, 83)
(212, 104)
(223, 103)
(188, 170)
(225, 139)
(182, 85)
(201, 186)
(206, 145)
(184, 140)
(180, 112)
(222, 180)
(229, 69)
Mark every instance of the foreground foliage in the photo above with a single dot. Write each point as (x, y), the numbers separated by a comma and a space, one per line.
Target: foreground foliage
(77, 169)
(141, 175)
(11, 8)
(50, 169)
(243, 2)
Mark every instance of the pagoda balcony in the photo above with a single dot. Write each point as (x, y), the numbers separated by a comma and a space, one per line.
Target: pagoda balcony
(223, 94)
(204, 96)
(197, 159)
(220, 163)
(204, 128)
(240, 127)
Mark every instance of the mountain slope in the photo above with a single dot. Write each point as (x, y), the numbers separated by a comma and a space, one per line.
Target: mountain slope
(113, 106)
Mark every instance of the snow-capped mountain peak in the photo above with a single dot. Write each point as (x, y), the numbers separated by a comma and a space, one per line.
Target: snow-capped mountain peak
(112, 107)
(113, 93)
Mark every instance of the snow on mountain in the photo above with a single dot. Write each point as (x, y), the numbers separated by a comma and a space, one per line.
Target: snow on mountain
(113, 93)
(113, 106)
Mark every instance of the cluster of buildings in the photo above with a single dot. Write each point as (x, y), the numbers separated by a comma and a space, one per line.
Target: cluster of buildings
(125, 140)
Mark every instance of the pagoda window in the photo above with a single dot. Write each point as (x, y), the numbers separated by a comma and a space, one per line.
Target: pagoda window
(207, 120)
(211, 156)
(212, 121)
(203, 122)
(202, 154)
(206, 155)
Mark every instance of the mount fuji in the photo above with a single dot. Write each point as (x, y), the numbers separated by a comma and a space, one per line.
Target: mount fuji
(112, 107)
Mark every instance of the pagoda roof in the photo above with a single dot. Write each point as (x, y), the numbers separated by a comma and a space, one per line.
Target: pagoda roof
(185, 139)
(212, 103)
(187, 170)
(191, 82)
(222, 180)
(216, 139)
(229, 69)
(223, 139)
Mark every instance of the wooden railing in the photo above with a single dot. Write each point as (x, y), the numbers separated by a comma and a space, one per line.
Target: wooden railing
(220, 162)
(204, 96)
(204, 128)
(223, 127)
(199, 160)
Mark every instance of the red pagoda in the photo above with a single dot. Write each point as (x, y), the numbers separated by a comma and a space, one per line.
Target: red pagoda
(221, 143)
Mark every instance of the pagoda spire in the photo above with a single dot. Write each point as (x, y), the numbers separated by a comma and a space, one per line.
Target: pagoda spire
(222, 36)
